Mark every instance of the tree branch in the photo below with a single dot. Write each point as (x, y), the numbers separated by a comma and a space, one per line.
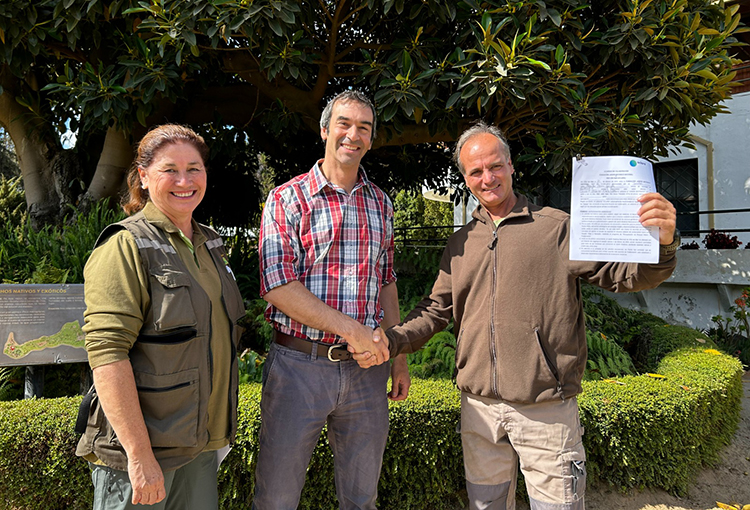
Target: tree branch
(297, 100)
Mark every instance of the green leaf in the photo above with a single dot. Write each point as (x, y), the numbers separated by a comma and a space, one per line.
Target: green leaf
(141, 116)
(389, 112)
(486, 21)
(406, 62)
(52, 86)
(134, 10)
(518, 93)
(555, 16)
(599, 92)
(453, 99)
(539, 63)
(274, 24)
(254, 9)
(236, 23)
(624, 104)
(540, 141)
(559, 54)
(713, 43)
(286, 16)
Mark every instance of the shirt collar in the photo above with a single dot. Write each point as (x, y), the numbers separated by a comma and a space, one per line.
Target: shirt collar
(318, 181)
(154, 216)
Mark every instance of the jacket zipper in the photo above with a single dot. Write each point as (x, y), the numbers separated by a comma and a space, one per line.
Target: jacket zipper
(493, 354)
(550, 365)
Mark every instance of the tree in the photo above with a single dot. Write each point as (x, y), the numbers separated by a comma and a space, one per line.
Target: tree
(561, 77)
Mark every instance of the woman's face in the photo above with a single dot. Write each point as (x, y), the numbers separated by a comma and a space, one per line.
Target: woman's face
(176, 181)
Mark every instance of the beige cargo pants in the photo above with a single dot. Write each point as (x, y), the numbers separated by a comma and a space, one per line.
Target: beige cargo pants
(544, 437)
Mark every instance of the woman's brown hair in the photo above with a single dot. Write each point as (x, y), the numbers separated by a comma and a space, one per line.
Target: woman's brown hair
(160, 136)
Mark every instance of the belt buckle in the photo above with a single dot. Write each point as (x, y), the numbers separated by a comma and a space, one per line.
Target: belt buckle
(330, 351)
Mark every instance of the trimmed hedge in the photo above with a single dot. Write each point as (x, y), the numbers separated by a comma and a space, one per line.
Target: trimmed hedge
(640, 431)
(657, 430)
(38, 466)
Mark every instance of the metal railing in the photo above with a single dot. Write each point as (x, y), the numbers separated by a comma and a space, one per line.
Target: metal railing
(693, 233)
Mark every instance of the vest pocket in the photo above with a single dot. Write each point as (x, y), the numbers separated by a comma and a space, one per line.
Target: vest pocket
(173, 337)
(170, 407)
(170, 299)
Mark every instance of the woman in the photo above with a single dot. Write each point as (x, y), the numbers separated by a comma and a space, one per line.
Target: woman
(161, 337)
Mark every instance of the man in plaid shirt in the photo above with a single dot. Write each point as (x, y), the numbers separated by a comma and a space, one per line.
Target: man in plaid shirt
(326, 261)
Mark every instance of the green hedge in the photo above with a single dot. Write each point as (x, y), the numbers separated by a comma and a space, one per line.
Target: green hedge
(658, 430)
(640, 431)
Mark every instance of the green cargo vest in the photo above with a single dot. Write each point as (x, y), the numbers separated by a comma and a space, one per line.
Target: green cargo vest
(171, 359)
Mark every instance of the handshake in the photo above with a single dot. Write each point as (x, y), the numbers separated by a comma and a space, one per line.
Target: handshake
(369, 347)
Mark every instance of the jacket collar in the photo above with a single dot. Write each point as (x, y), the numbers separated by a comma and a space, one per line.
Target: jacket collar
(521, 209)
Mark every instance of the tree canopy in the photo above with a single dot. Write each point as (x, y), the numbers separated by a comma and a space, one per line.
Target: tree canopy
(560, 77)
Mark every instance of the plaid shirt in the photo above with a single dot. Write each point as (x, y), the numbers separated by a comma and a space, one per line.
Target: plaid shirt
(337, 245)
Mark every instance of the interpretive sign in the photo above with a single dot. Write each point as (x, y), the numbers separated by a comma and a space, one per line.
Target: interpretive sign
(41, 324)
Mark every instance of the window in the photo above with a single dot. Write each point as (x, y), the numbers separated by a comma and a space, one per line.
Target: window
(678, 182)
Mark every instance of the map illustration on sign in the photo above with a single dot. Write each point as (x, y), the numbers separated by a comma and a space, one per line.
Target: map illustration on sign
(41, 324)
(70, 335)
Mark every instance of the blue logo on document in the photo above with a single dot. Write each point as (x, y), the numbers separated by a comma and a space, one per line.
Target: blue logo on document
(633, 162)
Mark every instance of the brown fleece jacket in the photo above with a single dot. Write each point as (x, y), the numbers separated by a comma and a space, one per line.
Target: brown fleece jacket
(516, 300)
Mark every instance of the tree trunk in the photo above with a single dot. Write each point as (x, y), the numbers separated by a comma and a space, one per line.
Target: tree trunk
(43, 162)
(109, 177)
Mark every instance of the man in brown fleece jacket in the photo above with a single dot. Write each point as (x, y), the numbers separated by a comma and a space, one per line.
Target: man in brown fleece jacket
(514, 294)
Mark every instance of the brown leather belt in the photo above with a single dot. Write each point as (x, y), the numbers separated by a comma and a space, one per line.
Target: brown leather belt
(333, 352)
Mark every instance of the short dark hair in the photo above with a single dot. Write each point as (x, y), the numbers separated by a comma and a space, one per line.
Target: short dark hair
(478, 129)
(349, 95)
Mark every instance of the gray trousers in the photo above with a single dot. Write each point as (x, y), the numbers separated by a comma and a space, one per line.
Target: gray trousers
(302, 393)
(191, 487)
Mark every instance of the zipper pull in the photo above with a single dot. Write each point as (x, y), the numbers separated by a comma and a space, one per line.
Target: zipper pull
(491, 246)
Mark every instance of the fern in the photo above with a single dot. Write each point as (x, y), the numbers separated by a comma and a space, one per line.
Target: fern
(606, 358)
(436, 359)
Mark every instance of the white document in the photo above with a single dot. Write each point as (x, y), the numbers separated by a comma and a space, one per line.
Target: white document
(604, 210)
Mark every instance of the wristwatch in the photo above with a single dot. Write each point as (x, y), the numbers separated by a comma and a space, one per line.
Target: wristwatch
(668, 249)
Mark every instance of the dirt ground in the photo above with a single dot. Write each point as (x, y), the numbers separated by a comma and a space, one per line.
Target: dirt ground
(728, 482)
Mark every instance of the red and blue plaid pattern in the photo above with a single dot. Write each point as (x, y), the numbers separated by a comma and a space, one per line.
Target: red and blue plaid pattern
(339, 246)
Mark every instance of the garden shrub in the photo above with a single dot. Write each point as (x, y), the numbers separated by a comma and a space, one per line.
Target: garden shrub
(663, 338)
(657, 430)
(38, 466)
